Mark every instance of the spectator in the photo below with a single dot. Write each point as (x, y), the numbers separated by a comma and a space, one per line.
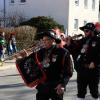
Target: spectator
(2, 42)
(11, 45)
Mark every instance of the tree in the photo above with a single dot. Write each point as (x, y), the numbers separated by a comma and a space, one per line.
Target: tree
(42, 23)
(14, 18)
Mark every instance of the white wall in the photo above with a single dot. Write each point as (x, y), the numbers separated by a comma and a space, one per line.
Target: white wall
(78, 12)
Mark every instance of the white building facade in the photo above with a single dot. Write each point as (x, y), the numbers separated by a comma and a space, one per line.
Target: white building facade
(70, 13)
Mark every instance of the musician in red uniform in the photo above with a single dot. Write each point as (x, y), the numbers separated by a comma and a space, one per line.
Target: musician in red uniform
(57, 65)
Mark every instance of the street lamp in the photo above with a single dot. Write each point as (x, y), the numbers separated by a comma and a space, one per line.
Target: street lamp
(4, 15)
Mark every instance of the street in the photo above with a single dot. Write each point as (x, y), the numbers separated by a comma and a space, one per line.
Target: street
(12, 86)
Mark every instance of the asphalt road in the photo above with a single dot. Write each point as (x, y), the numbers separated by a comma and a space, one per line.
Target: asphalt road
(12, 86)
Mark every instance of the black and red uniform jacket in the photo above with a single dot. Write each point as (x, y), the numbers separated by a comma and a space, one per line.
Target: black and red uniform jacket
(59, 68)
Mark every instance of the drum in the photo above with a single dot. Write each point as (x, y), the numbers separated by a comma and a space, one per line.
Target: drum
(30, 71)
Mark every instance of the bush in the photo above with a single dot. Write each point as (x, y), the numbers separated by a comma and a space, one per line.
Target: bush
(24, 35)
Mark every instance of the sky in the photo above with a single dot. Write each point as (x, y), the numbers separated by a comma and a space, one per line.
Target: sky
(1, 6)
(1, 3)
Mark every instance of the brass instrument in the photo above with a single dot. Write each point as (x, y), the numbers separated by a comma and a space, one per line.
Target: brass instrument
(76, 37)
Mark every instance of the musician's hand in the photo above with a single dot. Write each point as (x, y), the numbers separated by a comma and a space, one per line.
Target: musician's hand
(92, 65)
(15, 56)
(59, 89)
(23, 53)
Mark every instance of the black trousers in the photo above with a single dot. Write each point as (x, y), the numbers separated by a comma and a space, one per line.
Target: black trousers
(52, 95)
(88, 78)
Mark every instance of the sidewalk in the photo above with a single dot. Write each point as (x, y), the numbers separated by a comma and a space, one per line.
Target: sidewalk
(8, 64)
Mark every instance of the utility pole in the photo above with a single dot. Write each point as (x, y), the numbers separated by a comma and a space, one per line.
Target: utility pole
(4, 15)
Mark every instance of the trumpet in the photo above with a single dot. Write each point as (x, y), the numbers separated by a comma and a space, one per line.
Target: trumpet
(36, 46)
(76, 37)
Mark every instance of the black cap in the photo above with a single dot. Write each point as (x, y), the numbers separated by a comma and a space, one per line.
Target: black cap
(51, 34)
(89, 26)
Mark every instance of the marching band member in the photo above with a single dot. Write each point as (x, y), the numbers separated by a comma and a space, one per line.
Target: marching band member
(86, 53)
(56, 63)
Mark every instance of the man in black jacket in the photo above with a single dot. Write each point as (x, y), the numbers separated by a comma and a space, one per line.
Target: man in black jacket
(86, 58)
(57, 65)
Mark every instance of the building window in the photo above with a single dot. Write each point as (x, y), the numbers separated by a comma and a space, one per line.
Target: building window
(99, 6)
(93, 4)
(85, 3)
(77, 2)
(22, 1)
(12, 1)
(76, 24)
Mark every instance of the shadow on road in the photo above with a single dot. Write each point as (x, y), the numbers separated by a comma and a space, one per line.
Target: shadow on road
(11, 86)
(10, 75)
